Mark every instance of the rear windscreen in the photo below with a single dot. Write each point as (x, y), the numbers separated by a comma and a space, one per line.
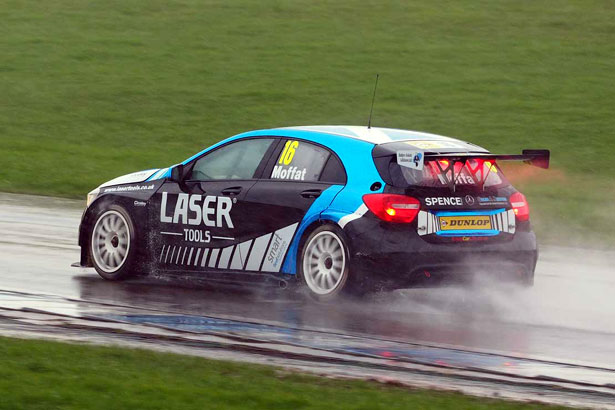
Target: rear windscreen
(442, 173)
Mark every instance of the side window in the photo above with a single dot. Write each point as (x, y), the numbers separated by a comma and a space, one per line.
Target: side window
(333, 171)
(300, 161)
(237, 160)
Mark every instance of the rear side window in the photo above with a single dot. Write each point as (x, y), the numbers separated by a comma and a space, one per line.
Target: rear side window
(300, 161)
(334, 171)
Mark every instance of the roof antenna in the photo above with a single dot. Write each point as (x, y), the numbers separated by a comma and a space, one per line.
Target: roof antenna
(369, 121)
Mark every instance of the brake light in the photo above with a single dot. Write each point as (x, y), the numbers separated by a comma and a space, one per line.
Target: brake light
(520, 206)
(392, 207)
(489, 167)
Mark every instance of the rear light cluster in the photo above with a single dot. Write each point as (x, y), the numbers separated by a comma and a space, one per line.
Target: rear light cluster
(520, 206)
(393, 208)
(404, 209)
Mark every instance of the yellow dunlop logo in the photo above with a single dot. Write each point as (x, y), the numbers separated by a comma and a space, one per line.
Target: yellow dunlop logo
(478, 222)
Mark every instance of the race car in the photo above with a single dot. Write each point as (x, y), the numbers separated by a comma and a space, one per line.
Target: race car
(335, 209)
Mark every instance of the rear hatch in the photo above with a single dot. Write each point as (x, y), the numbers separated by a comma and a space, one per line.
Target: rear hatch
(463, 193)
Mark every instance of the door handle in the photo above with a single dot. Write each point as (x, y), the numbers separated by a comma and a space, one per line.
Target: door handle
(235, 190)
(193, 187)
(311, 193)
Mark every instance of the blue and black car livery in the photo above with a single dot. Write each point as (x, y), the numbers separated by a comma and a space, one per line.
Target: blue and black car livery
(336, 208)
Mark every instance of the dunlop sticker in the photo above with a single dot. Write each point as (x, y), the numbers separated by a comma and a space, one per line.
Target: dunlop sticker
(478, 222)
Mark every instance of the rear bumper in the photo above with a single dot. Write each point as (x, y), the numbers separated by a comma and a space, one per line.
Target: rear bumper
(395, 256)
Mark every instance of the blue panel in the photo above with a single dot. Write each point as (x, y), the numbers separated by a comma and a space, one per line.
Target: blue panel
(313, 214)
(469, 213)
(464, 232)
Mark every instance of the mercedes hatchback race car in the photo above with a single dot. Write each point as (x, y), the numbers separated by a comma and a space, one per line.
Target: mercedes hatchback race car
(335, 208)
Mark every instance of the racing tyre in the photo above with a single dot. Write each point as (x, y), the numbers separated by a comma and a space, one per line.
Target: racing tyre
(324, 263)
(112, 243)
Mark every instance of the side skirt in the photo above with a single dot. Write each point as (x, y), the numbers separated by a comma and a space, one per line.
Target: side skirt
(235, 277)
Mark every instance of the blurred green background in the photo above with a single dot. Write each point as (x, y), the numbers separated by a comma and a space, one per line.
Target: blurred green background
(90, 90)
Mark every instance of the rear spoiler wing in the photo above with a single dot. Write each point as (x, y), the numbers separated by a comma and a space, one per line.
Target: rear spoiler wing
(537, 157)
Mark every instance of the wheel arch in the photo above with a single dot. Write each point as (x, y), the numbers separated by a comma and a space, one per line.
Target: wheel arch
(293, 257)
(89, 219)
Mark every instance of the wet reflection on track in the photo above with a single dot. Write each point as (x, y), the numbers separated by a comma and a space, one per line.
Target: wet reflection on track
(461, 317)
(569, 315)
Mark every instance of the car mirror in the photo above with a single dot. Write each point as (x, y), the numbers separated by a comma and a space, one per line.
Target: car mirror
(177, 173)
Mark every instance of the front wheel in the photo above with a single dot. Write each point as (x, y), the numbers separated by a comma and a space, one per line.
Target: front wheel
(112, 243)
(324, 262)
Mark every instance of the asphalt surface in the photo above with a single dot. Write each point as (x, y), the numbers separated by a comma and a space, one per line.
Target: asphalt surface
(563, 327)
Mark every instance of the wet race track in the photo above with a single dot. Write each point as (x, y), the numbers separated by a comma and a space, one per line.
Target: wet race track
(554, 342)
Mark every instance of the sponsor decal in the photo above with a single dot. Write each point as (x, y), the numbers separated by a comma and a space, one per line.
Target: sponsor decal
(277, 248)
(469, 199)
(444, 201)
(210, 210)
(478, 222)
(134, 178)
(492, 200)
(274, 248)
(462, 179)
(129, 188)
(139, 203)
(197, 235)
(267, 250)
(279, 172)
(469, 238)
(411, 159)
(283, 169)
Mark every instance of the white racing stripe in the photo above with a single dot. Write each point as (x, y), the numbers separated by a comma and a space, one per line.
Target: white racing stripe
(205, 253)
(265, 253)
(184, 255)
(177, 257)
(213, 258)
(133, 178)
(373, 135)
(361, 210)
(225, 256)
(240, 255)
(512, 221)
(257, 253)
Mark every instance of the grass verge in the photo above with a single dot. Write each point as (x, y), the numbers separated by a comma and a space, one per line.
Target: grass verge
(92, 90)
(50, 375)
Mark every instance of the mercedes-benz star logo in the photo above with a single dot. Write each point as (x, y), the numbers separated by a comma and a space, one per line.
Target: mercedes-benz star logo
(469, 200)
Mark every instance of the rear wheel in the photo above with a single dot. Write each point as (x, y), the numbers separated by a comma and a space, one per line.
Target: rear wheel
(112, 243)
(324, 262)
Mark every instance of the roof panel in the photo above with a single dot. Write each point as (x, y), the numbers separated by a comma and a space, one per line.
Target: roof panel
(373, 135)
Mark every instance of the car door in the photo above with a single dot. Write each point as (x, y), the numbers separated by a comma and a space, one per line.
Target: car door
(200, 223)
(297, 174)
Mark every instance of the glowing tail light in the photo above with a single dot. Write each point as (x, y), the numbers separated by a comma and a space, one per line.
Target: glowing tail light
(392, 207)
(520, 206)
